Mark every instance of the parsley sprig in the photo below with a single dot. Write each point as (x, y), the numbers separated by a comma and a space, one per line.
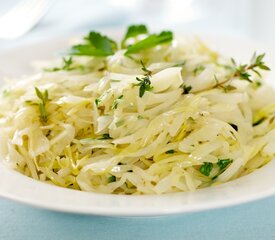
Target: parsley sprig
(95, 45)
(44, 98)
(144, 82)
(133, 31)
(150, 42)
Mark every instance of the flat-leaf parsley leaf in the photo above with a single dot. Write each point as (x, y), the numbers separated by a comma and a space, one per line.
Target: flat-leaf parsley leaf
(95, 45)
(150, 42)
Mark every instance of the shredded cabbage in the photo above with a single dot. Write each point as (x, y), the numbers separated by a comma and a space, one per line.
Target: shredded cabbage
(101, 136)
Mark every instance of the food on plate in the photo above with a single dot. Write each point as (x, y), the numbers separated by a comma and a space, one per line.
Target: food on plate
(150, 114)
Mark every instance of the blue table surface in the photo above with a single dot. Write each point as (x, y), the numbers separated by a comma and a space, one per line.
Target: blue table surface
(250, 221)
(254, 220)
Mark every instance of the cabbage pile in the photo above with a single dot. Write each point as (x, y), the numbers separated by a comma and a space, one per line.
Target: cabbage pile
(151, 115)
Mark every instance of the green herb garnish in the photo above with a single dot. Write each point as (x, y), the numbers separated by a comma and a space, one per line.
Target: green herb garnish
(111, 179)
(115, 103)
(223, 163)
(44, 97)
(67, 63)
(146, 70)
(97, 101)
(144, 85)
(242, 71)
(95, 45)
(170, 151)
(133, 31)
(198, 70)
(150, 42)
(105, 136)
(67, 66)
(144, 82)
(206, 168)
(186, 89)
(256, 84)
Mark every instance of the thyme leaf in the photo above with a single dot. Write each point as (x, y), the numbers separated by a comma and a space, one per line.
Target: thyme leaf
(44, 98)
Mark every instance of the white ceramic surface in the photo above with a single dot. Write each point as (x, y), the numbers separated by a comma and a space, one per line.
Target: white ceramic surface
(17, 187)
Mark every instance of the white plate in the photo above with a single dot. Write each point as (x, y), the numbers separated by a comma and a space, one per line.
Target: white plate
(15, 186)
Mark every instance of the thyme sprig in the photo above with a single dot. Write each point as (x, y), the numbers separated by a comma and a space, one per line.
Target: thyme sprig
(44, 98)
(67, 66)
(242, 71)
(256, 63)
(144, 82)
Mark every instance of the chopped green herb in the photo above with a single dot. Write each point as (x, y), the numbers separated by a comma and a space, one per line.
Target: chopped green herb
(44, 97)
(206, 168)
(170, 151)
(198, 70)
(223, 163)
(150, 42)
(115, 103)
(186, 89)
(133, 31)
(111, 179)
(105, 136)
(97, 101)
(95, 45)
